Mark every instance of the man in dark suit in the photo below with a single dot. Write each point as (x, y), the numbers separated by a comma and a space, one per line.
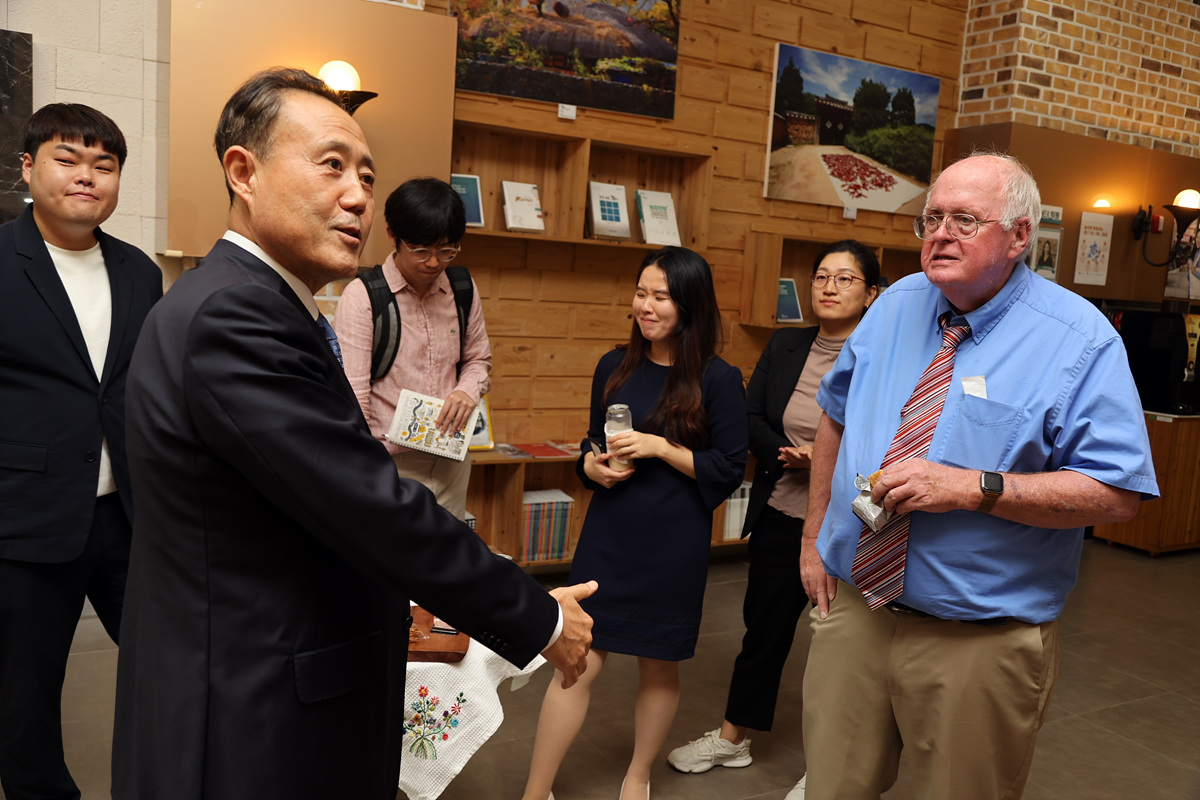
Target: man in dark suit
(263, 655)
(74, 301)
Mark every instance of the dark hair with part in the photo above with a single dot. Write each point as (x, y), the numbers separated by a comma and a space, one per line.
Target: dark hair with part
(73, 122)
(868, 262)
(679, 414)
(425, 212)
(248, 119)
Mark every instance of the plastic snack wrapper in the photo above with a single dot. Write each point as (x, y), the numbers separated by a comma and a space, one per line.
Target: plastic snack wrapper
(875, 517)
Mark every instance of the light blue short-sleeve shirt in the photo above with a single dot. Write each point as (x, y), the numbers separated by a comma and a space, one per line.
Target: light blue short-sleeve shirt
(1042, 384)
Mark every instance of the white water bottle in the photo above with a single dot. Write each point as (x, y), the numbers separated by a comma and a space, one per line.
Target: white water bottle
(617, 420)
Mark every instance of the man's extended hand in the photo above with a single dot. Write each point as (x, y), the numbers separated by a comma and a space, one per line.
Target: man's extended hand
(569, 652)
(820, 588)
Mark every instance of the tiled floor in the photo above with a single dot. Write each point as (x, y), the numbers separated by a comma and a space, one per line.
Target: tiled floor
(1124, 722)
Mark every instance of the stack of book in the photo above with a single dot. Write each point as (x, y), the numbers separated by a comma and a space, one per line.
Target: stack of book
(547, 523)
(735, 512)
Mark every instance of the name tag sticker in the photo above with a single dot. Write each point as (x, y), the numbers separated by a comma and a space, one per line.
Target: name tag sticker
(975, 385)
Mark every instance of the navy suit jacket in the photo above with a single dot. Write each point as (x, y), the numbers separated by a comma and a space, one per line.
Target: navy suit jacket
(54, 411)
(771, 386)
(262, 655)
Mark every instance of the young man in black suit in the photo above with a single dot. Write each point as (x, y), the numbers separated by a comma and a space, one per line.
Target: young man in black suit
(263, 654)
(74, 302)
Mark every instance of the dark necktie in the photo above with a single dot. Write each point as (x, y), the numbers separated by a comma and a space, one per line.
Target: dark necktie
(330, 337)
(878, 568)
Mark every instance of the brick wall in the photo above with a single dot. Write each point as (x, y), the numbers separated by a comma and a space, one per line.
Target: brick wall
(1122, 70)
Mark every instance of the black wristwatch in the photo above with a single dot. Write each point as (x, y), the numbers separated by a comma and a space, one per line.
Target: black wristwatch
(992, 485)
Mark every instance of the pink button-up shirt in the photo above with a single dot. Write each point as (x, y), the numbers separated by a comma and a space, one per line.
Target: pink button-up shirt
(429, 345)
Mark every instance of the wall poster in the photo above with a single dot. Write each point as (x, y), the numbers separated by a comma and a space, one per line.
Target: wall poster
(618, 56)
(1043, 256)
(845, 132)
(1095, 245)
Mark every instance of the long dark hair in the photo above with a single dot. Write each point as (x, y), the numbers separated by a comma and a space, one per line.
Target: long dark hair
(679, 414)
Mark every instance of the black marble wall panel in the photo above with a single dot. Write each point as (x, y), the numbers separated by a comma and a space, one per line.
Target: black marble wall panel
(16, 106)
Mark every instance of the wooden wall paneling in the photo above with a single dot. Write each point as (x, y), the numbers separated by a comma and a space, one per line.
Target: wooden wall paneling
(607, 323)
(520, 318)
(577, 287)
(494, 496)
(796, 262)
(895, 263)
(764, 254)
(552, 392)
(620, 167)
(575, 358)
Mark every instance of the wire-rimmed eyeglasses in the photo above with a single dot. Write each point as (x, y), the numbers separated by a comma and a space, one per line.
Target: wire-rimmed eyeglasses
(842, 281)
(960, 226)
(444, 254)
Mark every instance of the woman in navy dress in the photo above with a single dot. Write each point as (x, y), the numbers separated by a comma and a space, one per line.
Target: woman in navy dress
(646, 536)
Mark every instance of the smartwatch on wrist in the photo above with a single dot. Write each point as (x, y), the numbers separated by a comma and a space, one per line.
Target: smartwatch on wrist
(992, 485)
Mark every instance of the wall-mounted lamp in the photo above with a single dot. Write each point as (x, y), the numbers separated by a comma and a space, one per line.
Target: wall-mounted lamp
(1186, 210)
(1102, 201)
(343, 79)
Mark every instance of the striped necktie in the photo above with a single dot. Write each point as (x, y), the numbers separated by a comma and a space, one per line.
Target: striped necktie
(878, 568)
(330, 337)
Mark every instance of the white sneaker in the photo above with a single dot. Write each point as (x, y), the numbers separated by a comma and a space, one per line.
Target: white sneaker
(797, 792)
(710, 750)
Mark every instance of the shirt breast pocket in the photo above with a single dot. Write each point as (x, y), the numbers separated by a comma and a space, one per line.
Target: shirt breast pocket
(983, 434)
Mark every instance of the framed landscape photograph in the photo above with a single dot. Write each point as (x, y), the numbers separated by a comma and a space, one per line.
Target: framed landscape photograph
(618, 56)
(849, 133)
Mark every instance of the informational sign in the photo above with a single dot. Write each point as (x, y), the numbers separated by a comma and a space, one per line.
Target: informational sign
(1095, 246)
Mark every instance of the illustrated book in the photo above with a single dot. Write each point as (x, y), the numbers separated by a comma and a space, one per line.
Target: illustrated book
(415, 426)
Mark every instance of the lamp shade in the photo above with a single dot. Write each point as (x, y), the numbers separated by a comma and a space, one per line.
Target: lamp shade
(340, 76)
(1185, 209)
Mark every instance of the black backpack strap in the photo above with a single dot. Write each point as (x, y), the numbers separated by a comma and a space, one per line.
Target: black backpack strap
(464, 294)
(385, 319)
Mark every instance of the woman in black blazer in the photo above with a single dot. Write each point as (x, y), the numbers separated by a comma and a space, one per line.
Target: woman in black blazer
(782, 414)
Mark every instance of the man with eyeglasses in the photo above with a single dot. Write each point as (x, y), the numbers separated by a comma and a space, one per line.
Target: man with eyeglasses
(996, 417)
(426, 221)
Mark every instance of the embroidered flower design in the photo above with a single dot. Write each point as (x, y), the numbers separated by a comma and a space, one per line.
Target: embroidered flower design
(426, 726)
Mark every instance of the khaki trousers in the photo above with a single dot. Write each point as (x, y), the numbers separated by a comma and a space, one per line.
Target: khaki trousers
(445, 477)
(964, 700)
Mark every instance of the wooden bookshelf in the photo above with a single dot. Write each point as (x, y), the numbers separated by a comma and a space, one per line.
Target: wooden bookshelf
(496, 492)
(561, 166)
